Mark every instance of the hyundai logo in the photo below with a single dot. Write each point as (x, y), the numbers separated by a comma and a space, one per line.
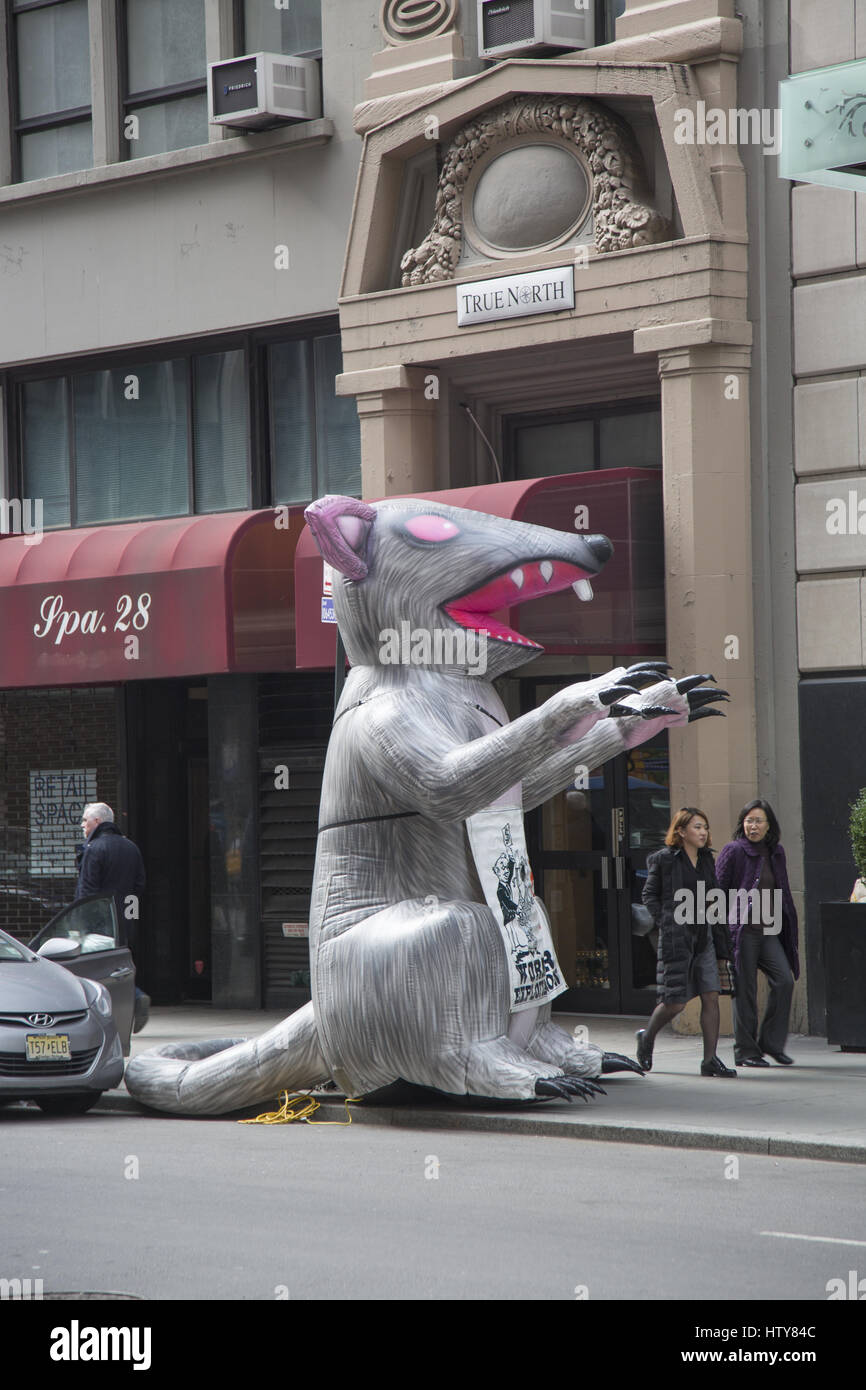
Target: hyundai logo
(40, 1020)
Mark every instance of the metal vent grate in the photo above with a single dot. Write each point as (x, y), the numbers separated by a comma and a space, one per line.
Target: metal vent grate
(508, 21)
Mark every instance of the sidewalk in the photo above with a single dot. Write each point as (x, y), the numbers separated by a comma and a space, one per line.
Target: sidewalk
(814, 1109)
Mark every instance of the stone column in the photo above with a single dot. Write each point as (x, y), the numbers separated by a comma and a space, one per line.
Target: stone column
(397, 407)
(708, 568)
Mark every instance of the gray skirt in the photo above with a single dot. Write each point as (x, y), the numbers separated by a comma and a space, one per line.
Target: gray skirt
(702, 974)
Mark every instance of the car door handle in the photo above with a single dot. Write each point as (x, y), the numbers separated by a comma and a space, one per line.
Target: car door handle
(122, 973)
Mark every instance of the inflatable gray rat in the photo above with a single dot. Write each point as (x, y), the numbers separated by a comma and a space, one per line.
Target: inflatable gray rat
(431, 958)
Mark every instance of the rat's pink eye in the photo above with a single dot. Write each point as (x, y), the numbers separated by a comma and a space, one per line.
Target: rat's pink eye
(431, 528)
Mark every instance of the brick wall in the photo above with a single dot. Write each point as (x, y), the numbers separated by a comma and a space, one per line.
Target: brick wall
(41, 731)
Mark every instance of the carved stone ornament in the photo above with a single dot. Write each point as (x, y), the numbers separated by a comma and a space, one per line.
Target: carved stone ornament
(622, 215)
(402, 21)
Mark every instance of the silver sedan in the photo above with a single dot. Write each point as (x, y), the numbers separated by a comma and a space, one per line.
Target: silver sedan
(65, 1010)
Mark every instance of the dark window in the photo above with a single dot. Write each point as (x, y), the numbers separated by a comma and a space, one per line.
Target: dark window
(200, 431)
(625, 435)
(143, 440)
(315, 437)
(291, 28)
(51, 87)
(165, 106)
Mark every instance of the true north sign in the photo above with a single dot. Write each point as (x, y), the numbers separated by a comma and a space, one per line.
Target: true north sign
(515, 296)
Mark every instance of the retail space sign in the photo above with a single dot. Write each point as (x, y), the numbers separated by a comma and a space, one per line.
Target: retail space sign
(57, 799)
(328, 614)
(515, 296)
(824, 126)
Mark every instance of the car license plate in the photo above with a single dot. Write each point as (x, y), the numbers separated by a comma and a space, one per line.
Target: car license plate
(48, 1047)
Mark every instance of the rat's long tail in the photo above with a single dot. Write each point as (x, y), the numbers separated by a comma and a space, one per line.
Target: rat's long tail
(225, 1074)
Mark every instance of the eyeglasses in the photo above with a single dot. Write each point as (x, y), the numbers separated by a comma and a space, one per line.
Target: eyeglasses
(755, 824)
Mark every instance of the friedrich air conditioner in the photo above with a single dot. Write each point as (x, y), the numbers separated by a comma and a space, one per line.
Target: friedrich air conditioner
(262, 89)
(512, 28)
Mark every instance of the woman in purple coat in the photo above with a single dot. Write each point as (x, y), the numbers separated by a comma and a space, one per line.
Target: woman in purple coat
(764, 931)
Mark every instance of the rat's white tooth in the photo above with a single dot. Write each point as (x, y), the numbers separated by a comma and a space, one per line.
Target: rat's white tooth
(583, 589)
(516, 577)
(546, 571)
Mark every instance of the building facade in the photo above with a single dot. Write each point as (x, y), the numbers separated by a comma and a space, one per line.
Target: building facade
(552, 283)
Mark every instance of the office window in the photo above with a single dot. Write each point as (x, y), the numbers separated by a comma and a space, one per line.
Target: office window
(142, 440)
(221, 432)
(51, 76)
(45, 447)
(315, 434)
(296, 29)
(166, 76)
(131, 443)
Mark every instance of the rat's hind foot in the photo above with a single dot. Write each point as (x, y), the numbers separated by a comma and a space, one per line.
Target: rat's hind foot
(568, 1086)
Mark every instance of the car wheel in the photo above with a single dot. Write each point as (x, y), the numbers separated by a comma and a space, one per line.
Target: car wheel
(68, 1105)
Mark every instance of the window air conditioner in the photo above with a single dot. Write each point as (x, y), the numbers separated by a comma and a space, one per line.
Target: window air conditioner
(262, 89)
(513, 28)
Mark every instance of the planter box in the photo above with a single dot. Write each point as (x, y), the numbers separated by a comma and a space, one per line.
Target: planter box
(843, 939)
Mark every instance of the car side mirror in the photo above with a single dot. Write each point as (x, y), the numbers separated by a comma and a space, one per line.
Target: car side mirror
(60, 949)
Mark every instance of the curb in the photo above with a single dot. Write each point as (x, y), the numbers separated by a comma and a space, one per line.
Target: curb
(555, 1124)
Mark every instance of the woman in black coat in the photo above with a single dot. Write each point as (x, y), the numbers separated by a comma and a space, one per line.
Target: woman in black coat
(765, 936)
(678, 880)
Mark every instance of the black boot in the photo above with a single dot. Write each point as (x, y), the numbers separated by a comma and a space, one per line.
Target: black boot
(644, 1051)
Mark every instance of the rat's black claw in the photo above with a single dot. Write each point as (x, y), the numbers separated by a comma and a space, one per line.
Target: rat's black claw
(614, 1061)
(689, 682)
(568, 1086)
(656, 711)
(703, 697)
(552, 1087)
(623, 711)
(641, 676)
(616, 692)
(649, 666)
(705, 714)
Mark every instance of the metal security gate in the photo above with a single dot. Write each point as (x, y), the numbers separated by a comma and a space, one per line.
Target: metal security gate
(295, 715)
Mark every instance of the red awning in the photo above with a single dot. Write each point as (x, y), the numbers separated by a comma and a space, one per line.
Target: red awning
(199, 595)
(626, 615)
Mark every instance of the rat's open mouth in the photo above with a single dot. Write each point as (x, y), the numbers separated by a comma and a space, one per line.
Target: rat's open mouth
(523, 582)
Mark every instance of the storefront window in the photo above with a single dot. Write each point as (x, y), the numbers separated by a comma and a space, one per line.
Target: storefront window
(542, 450)
(624, 436)
(631, 441)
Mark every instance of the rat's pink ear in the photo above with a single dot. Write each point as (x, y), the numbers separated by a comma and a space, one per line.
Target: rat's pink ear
(341, 528)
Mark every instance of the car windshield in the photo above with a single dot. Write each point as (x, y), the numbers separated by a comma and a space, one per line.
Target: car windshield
(10, 950)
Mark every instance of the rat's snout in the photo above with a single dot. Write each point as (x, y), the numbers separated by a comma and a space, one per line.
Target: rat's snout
(600, 546)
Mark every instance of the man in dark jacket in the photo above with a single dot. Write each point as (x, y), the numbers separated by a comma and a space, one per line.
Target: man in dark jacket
(111, 863)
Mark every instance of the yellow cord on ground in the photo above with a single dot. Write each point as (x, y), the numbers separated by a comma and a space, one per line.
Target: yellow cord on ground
(297, 1107)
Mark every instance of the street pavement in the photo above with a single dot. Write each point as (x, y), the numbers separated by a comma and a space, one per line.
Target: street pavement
(813, 1109)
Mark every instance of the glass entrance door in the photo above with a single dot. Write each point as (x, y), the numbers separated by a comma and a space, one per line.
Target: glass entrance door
(588, 847)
